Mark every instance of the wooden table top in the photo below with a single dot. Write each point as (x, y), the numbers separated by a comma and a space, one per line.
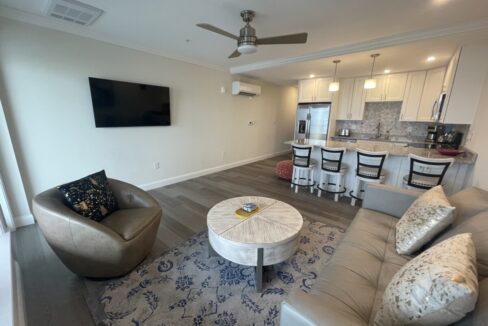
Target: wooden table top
(275, 222)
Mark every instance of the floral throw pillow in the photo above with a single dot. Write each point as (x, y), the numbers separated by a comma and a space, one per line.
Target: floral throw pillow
(90, 196)
(438, 287)
(425, 218)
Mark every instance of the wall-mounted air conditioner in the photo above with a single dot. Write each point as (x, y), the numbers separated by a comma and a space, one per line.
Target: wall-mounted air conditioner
(240, 88)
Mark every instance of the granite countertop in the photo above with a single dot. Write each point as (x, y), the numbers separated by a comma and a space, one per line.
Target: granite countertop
(394, 148)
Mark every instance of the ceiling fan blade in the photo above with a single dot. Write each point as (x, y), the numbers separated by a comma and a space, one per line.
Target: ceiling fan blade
(217, 30)
(234, 54)
(284, 39)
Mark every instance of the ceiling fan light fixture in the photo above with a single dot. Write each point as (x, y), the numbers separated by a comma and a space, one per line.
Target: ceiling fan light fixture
(247, 48)
(334, 86)
(371, 82)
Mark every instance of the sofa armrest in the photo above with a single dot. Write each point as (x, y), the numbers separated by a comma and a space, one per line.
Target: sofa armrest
(389, 200)
(303, 309)
(130, 196)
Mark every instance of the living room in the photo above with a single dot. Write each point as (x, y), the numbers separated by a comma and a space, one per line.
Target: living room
(216, 145)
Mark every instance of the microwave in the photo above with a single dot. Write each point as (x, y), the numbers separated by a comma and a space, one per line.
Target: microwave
(439, 107)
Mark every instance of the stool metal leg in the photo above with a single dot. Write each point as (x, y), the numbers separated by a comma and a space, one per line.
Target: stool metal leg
(356, 192)
(338, 186)
(321, 182)
(297, 179)
(310, 173)
(293, 177)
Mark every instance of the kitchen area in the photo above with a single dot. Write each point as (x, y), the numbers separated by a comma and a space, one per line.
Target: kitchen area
(425, 112)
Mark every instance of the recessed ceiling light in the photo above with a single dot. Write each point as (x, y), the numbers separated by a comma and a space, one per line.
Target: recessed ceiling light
(387, 71)
(431, 59)
(312, 76)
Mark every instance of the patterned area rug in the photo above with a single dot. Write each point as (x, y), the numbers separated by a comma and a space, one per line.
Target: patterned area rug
(185, 287)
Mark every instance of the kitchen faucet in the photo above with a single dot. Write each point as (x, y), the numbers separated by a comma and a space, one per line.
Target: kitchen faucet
(378, 133)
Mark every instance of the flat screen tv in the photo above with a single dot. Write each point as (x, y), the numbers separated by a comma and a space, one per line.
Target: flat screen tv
(123, 104)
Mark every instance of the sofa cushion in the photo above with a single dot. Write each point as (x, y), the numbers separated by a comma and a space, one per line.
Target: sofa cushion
(90, 196)
(468, 203)
(128, 223)
(353, 281)
(478, 227)
(438, 287)
(428, 216)
(480, 313)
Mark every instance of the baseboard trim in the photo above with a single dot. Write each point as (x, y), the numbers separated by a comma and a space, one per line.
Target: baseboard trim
(199, 173)
(23, 220)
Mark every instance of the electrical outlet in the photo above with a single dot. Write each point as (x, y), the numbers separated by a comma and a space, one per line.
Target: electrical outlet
(156, 165)
(251, 123)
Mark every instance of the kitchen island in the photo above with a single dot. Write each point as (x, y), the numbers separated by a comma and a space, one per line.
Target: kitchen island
(397, 164)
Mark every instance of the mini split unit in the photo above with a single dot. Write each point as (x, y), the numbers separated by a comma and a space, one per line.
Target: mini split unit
(240, 88)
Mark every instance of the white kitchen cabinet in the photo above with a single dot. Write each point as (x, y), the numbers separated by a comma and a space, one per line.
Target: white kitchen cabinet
(358, 100)
(314, 90)
(389, 88)
(345, 98)
(413, 95)
(430, 94)
(450, 71)
(376, 94)
(351, 99)
(322, 93)
(306, 90)
(466, 88)
(395, 87)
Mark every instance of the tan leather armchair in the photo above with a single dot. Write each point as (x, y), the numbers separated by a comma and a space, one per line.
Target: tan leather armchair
(110, 248)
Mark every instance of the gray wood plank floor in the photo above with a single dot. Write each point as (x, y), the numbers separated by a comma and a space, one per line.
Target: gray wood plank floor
(55, 296)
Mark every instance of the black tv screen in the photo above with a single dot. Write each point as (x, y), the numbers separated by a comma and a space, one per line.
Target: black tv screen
(123, 104)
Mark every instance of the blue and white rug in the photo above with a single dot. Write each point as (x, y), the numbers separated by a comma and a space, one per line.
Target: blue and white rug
(185, 287)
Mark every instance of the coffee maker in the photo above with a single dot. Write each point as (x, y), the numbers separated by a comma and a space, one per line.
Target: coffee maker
(432, 132)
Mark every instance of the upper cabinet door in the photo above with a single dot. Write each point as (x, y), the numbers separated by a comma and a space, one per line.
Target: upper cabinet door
(451, 69)
(376, 94)
(358, 100)
(413, 95)
(346, 90)
(466, 89)
(306, 91)
(395, 87)
(322, 93)
(431, 93)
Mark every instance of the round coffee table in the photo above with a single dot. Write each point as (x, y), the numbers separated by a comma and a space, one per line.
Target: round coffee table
(268, 237)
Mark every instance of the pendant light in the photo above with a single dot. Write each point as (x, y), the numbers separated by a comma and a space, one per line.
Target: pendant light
(371, 82)
(334, 86)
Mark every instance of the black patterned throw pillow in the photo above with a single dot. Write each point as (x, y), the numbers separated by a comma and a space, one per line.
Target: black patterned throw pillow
(90, 196)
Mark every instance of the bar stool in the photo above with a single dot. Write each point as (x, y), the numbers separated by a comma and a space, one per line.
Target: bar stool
(332, 166)
(426, 173)
(303, 167)
(368, 170)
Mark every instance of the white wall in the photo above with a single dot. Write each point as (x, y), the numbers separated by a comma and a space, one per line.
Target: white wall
(479, 140)
(48, 106)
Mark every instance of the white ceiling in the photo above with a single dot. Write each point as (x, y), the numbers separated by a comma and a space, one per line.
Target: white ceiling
(168, 28)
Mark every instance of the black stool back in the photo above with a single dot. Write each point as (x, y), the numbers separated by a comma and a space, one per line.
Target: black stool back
(370, 164)
(301, 155)
(332, 158)
(426, 173)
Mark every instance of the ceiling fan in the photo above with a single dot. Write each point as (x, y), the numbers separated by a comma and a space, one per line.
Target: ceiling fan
(247, 41)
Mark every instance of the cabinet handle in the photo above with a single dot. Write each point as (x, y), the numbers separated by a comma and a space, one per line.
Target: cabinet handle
(401, 116)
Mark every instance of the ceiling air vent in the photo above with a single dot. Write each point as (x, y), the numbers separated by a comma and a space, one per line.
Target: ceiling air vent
(73, 11)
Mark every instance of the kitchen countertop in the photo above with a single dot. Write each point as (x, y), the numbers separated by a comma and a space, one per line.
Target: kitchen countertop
(394, 148)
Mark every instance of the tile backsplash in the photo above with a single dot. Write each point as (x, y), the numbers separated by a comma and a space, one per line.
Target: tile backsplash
(388, 114)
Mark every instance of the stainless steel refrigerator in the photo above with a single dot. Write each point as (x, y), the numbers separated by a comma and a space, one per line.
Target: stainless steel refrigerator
(312, 121)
